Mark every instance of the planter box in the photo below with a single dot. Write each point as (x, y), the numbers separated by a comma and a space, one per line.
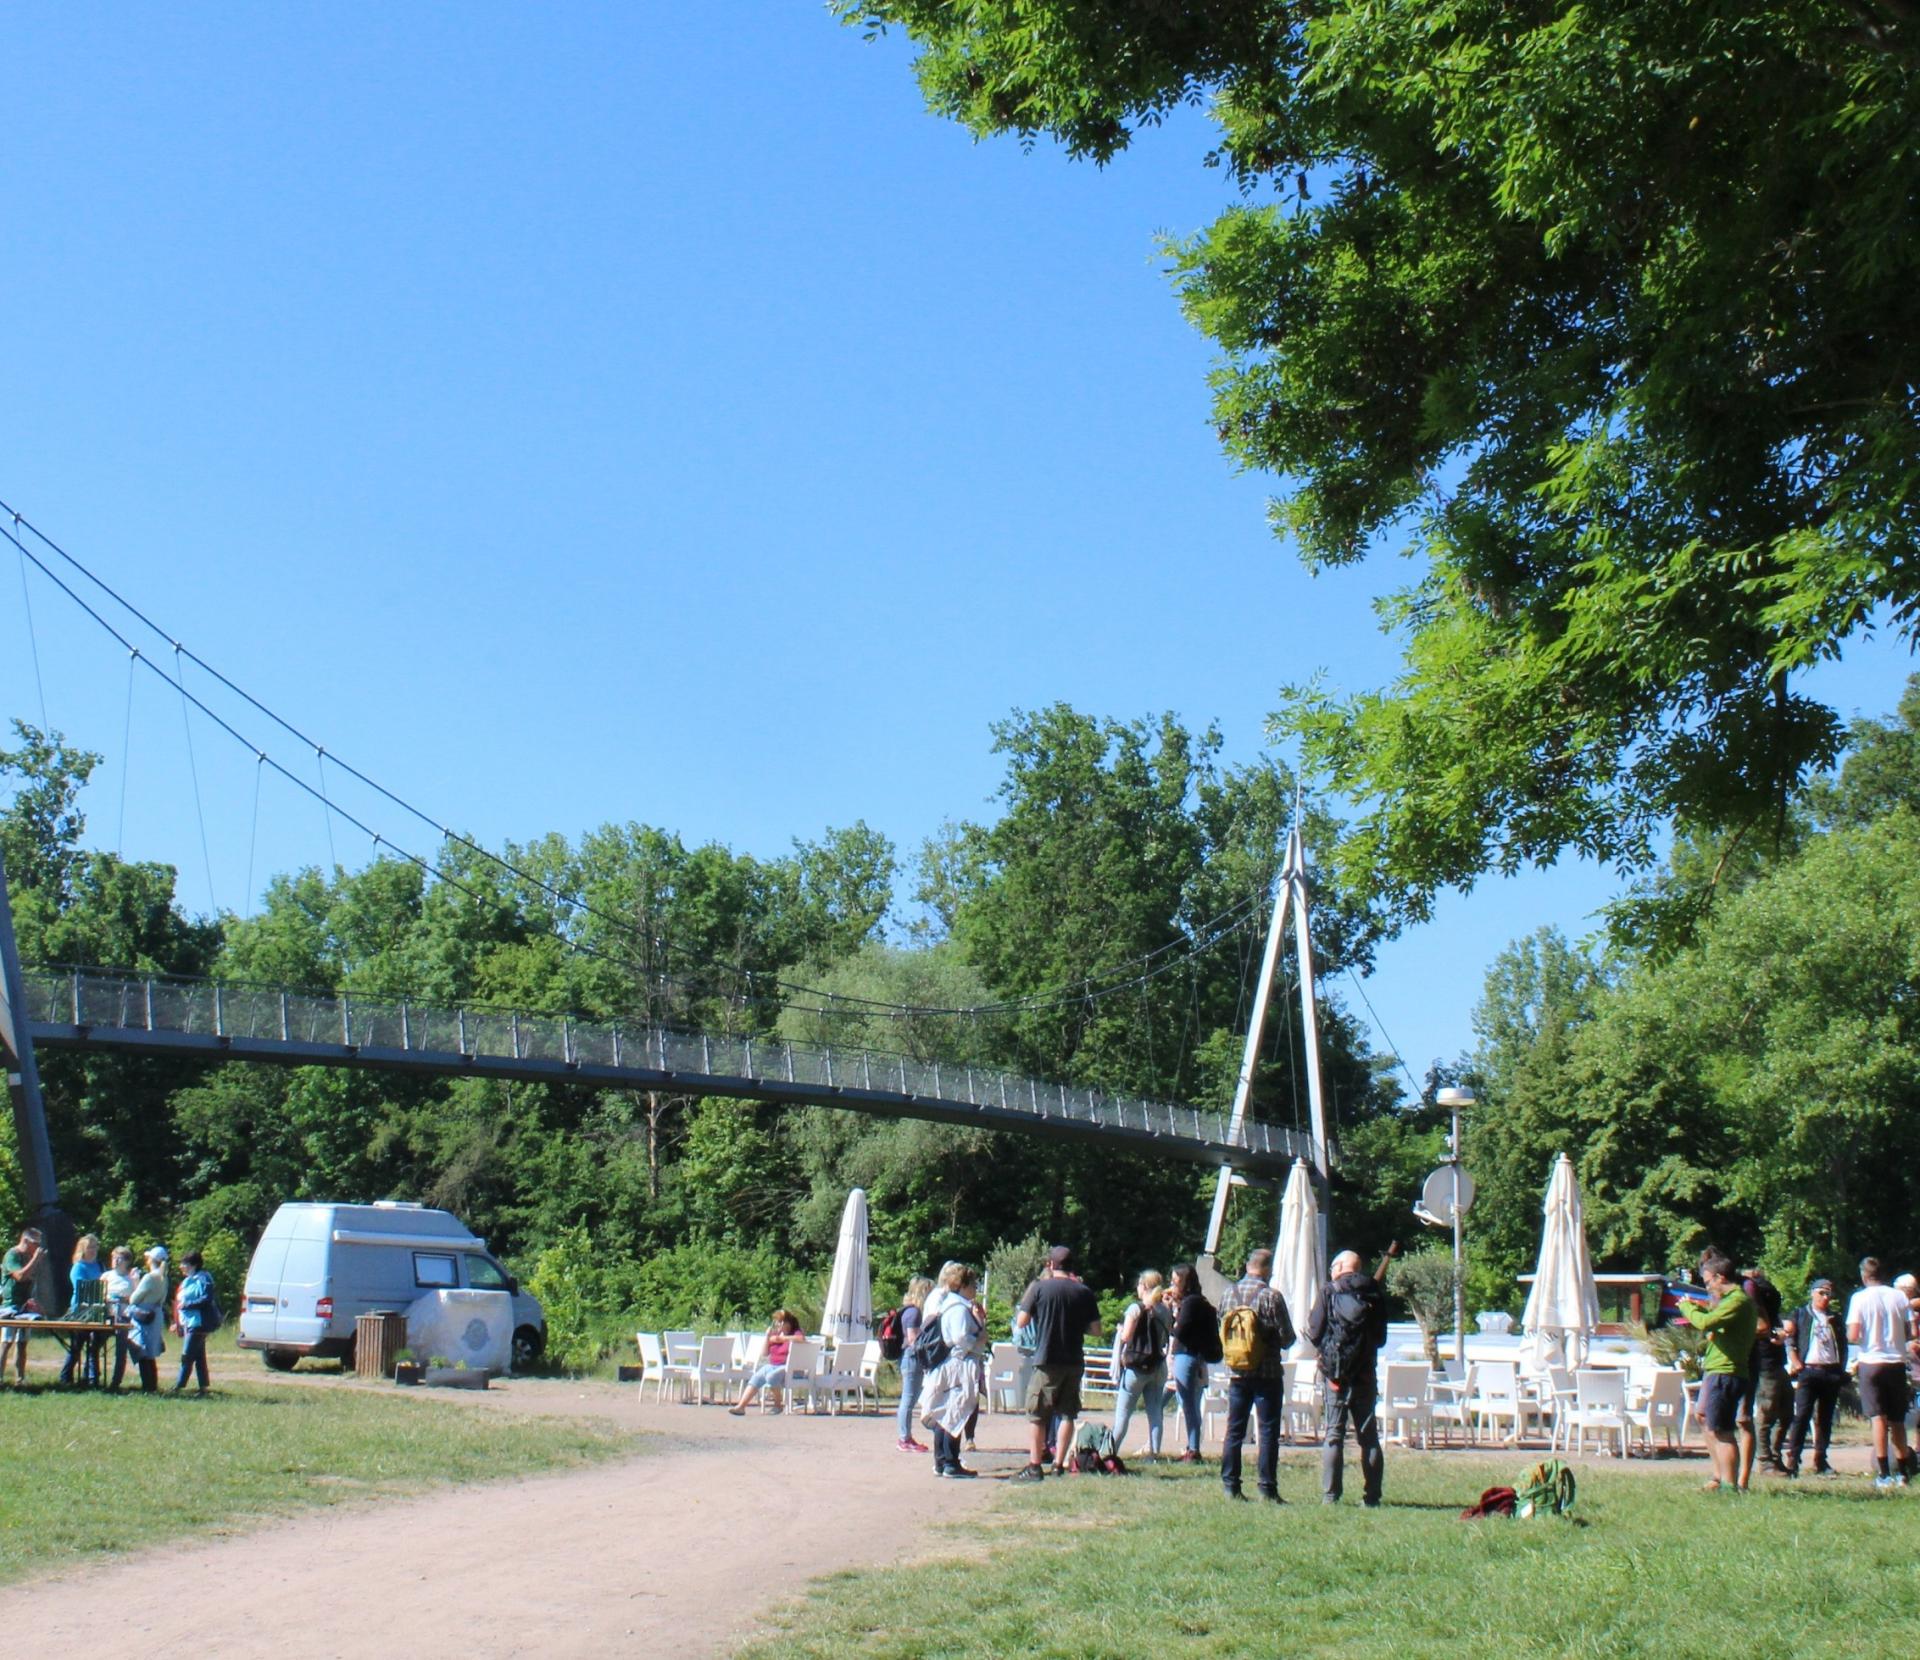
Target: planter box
(408, 1372)
(631, 1374)
(455, 1377)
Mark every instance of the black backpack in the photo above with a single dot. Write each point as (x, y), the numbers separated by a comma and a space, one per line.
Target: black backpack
(1347, 1345)
(1146, 1350)
(211, 1319)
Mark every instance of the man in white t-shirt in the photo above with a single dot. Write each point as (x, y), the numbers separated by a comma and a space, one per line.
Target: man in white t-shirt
(1880, 1328)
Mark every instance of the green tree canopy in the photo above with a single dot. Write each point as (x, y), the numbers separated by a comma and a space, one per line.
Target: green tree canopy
(1609, 312)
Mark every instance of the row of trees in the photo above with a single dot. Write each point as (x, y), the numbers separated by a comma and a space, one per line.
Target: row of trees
(1068, 919)
(1755, 1085)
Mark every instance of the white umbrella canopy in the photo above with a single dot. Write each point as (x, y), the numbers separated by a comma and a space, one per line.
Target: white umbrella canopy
(1299, 1265)
(848, 1315)
(1563, 1308)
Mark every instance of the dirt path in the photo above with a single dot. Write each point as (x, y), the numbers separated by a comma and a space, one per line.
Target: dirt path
(682, 1550)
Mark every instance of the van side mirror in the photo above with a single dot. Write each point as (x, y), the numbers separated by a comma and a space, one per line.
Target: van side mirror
(513, 1284)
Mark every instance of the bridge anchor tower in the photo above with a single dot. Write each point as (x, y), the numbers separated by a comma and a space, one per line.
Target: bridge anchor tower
(29, 1109)
(1290, 892)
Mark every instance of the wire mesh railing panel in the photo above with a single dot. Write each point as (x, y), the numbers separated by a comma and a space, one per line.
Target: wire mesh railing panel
(543, 1040)
(595, 1046)
(491, 1034)
(435, 1030)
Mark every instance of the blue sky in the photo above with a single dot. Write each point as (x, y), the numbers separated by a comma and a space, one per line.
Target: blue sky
(608, 412)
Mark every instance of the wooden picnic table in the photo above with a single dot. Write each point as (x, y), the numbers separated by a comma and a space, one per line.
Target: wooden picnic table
(73, 1334)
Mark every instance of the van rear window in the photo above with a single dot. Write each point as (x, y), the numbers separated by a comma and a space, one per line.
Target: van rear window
(433, 1270)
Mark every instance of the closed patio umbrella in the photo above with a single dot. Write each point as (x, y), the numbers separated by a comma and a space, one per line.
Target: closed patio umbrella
(1299, 1265)
(848, 1315)
(1563, 1308)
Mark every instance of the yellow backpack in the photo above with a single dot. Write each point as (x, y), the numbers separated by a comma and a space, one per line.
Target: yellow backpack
(1242, 1345)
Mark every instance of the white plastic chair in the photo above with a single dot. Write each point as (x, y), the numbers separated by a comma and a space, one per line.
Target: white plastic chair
(1600, 1403)
(1213, 1402)
(1303, 1400)
(1496, 1394)
(1406, 1404)
(850, 1373)
(680, 1365)
(1449, 1400)
(1004, 1369)
(1664, 1409)
(804, 1368)
(653, 1365)
(714, 1368)
(1563, 1399)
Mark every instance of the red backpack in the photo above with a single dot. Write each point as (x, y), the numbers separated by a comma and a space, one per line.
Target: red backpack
(893, 1340)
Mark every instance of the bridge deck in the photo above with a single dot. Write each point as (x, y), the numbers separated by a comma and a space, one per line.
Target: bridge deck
(207, 1020)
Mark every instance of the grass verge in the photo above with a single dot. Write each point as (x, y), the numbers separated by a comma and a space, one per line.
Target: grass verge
(86, 1472)
(1161, 1565)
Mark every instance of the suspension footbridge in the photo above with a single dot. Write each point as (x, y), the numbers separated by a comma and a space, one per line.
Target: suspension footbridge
(215, 1021)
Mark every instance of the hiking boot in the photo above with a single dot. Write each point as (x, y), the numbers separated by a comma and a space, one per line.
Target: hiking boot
(1031, 1472)
(1235, 1493)
(1271, 1496)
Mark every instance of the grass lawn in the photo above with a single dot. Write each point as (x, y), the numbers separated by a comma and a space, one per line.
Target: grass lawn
(1161, 1565)
(86, 1472)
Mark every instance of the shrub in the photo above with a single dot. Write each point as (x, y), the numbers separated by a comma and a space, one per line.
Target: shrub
(1423, 1280)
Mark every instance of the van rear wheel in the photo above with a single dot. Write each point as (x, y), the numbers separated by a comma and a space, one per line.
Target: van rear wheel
(528, 1344)
(280, 1360)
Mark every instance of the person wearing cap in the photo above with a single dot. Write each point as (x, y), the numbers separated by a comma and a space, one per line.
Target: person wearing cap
(148, 1310)
(1817, 1364)
(17, 1269)
(1063, 1314)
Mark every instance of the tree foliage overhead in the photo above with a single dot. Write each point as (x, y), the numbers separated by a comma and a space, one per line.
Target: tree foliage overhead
(1608, 312)
(1757, 1087)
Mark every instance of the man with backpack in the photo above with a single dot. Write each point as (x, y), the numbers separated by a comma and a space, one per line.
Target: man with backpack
(1347, 1326)
(1255, 1333)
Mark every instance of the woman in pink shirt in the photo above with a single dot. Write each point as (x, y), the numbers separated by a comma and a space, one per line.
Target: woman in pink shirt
(771, 1373)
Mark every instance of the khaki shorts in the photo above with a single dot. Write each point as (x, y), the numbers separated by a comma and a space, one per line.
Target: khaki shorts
(1053, 1392)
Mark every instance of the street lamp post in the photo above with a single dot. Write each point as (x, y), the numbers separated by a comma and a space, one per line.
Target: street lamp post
(1456, 1101)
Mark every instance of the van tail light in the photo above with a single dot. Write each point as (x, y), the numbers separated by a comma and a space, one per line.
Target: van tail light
(324, 1308)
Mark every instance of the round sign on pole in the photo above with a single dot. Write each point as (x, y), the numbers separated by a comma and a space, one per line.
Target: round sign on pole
(1437, 1194)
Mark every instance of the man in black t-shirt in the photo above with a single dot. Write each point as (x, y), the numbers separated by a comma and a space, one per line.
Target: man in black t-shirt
(1766, 1408)
(1063, 1313)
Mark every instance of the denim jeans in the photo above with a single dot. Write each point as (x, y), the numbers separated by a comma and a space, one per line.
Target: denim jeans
(946, 1450)
(1816, 1393)
(193, 1358)
(1136, 1387)
(1245, 1395)
(912, 1375)
(1190, 1380)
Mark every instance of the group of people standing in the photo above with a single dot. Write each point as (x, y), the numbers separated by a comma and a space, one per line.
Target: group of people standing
(1767, 1376)
(136, 1303)
(1169, 1336)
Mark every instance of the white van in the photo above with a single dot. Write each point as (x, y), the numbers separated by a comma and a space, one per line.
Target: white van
(318, 1268)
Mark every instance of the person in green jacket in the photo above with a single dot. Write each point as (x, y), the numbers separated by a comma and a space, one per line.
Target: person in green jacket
(1730, 1324)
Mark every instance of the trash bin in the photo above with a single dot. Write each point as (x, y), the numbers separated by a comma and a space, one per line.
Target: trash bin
(377, 1342)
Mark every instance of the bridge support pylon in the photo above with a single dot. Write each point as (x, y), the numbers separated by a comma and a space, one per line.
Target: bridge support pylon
(1290, 892)
(29, 1111)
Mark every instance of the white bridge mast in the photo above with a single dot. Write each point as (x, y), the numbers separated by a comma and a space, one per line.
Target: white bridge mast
(1290, 891)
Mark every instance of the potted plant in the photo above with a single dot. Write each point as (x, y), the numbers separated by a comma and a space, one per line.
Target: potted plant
(443, 1373)
(407, 1369)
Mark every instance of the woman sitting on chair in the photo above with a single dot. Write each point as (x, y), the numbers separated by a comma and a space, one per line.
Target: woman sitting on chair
(771, 1373)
